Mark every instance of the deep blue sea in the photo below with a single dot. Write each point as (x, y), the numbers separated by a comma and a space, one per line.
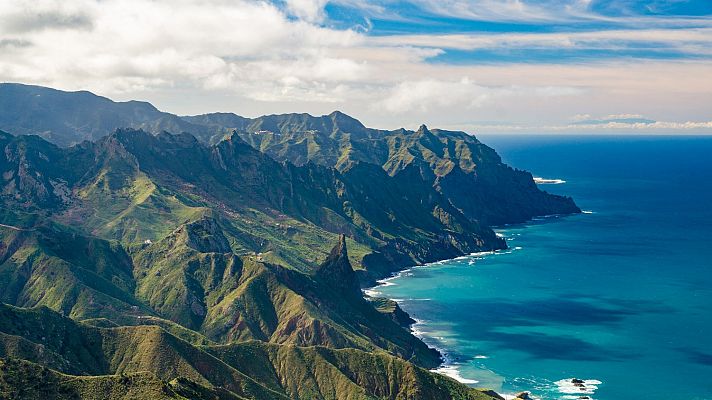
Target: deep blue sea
(621, 295)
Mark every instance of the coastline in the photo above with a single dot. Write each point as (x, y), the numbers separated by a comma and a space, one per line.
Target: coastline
(448, 367)
(548, 181)
(598, 326)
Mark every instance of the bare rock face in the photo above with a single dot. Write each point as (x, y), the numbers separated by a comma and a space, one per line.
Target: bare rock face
(401, 317)
(22, 177)
(337, 272)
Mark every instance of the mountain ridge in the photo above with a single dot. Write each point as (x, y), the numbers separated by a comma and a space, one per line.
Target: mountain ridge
(68, 118)
(448, 160)
(172, 252)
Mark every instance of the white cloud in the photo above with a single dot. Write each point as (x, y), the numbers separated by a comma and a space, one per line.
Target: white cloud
(504, 10)
(692, 41)
(522, 11)
(43, 15)
(309, 10)
(623, 116)
(581, 117)
(143, 44)
(486, 10)
(659, 127)
(252, 57)
(430, 94)
(423, 95)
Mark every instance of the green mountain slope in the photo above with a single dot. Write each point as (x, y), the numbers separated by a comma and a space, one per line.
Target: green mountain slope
(21, 379)
(80, 276)
(229, 298)
(143, 358)
(192, 279)
(133, 186)
(211, 266)
(202, 264)
(468, 173)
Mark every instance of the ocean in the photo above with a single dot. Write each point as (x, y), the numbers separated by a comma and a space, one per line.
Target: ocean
(619, 296)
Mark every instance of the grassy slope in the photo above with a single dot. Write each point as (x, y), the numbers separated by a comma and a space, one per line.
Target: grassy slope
(230, 298)
(137, 198)
(249, 369)
(21, 379)
(134, 187)
(191, 278)
(319, 372)
(79, 276)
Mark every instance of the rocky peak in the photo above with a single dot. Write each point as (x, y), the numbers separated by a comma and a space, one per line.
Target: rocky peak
(336, 270)
(340, 249)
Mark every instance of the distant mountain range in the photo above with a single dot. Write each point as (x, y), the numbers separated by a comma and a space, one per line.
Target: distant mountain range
(212, 262)
(470, 174)
(68, 118)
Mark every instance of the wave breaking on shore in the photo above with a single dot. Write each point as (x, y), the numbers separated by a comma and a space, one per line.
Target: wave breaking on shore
(453, 371)
(548, 181)
(449, 367)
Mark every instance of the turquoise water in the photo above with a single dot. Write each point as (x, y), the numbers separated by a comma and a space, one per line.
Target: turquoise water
(621, 295)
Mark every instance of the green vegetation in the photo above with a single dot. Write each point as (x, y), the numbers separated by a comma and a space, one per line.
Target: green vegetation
(26, 380)
(468, 173)
(118, 358)
(148, 265)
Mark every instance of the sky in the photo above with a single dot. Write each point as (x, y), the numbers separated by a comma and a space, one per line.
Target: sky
(483, 66)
